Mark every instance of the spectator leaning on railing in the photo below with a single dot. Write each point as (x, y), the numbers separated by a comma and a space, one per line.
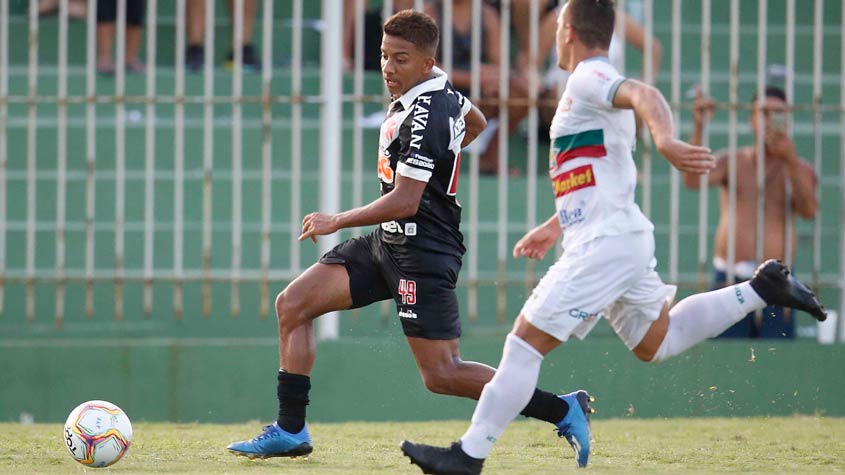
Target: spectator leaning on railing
(783, 165)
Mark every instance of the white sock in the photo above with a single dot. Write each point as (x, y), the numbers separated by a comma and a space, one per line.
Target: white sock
(503, 397)
(702, 316)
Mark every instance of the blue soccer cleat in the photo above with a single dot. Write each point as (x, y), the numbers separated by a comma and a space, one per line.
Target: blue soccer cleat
(274, 442)
(575, 426)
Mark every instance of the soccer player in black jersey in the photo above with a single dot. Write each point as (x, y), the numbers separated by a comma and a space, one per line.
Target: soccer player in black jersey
(413, 256)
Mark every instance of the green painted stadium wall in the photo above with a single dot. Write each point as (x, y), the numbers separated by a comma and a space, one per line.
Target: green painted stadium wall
(232, 380)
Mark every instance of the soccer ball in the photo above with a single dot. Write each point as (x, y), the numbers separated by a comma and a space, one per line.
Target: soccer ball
(97, 433)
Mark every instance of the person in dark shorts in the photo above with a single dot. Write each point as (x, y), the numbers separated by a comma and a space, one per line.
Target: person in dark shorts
(413, 256)
(106, 16)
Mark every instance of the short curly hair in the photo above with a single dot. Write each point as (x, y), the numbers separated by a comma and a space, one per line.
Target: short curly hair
(414, 27)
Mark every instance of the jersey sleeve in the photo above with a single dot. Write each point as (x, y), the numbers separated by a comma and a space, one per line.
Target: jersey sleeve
(464, 102)
(427, 137)
(597, 86)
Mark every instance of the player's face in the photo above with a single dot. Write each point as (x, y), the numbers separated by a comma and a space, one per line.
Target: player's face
(403, 65)
(561, 37)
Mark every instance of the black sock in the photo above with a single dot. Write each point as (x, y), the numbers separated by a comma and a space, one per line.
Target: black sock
(546, 407)
(293, 397)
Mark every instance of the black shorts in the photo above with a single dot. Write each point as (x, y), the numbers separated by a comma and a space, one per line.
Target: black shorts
(421, 283)
(107, 12)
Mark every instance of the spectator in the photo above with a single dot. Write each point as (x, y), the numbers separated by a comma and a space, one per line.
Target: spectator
(195, 54)
(106, 16)
(491, 55)
(521, 23)
(783, 165)
(373, 22)
(76, 9)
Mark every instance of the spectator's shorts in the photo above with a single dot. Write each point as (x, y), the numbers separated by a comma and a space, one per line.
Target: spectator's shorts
(107, 11)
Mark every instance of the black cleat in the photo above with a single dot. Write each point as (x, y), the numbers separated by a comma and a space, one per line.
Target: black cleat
(775, 284)
(442, 461)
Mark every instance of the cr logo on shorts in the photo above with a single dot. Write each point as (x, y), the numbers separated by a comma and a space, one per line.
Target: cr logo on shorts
(582, 315)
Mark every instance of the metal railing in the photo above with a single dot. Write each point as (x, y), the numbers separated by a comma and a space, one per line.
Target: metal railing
(331, 99)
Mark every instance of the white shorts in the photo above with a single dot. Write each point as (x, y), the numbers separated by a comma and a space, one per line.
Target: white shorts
(611, 277)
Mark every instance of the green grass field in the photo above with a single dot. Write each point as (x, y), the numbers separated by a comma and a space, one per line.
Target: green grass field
(747, 445)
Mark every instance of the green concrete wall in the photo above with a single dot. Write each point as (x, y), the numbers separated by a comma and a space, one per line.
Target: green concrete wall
(374, 378)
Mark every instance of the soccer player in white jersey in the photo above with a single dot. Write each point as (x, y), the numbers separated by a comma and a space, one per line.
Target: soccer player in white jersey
(607, 269)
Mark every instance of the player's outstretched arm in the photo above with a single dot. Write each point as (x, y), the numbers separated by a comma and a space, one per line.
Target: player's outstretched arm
(475, 123)
(650, 104)
(402, 202)
(537, 242)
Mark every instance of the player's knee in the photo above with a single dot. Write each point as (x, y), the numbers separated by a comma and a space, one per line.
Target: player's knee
(439, 380)
(645, 355)
(289, 310)
(434, 382)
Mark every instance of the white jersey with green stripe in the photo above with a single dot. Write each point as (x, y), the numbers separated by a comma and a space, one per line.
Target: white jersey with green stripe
(590, 162)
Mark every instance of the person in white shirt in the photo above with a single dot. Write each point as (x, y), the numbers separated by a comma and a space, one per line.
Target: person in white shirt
(607, 269)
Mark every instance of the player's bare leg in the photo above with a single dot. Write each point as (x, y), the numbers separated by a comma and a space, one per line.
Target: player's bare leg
(500, 402)
(444, 372)
(654, 337)
(321, 289)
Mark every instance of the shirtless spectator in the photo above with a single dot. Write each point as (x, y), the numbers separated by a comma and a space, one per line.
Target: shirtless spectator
(783, 165)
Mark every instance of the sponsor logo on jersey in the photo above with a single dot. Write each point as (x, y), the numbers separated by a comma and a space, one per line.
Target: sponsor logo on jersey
(586, 316)
(459, 126)
(604, 77)
(573, 180)
(409, 314)
(569, 217)
(420, 160)
(420, 120)
(391, 227)
(410, 229)
(587, 144)
(385, 173)
(388, 130)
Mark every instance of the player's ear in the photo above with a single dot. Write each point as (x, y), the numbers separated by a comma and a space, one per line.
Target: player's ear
(570, 35)
(428, 64)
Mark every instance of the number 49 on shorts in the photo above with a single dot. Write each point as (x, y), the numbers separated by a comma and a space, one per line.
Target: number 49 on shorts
(408, 291)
